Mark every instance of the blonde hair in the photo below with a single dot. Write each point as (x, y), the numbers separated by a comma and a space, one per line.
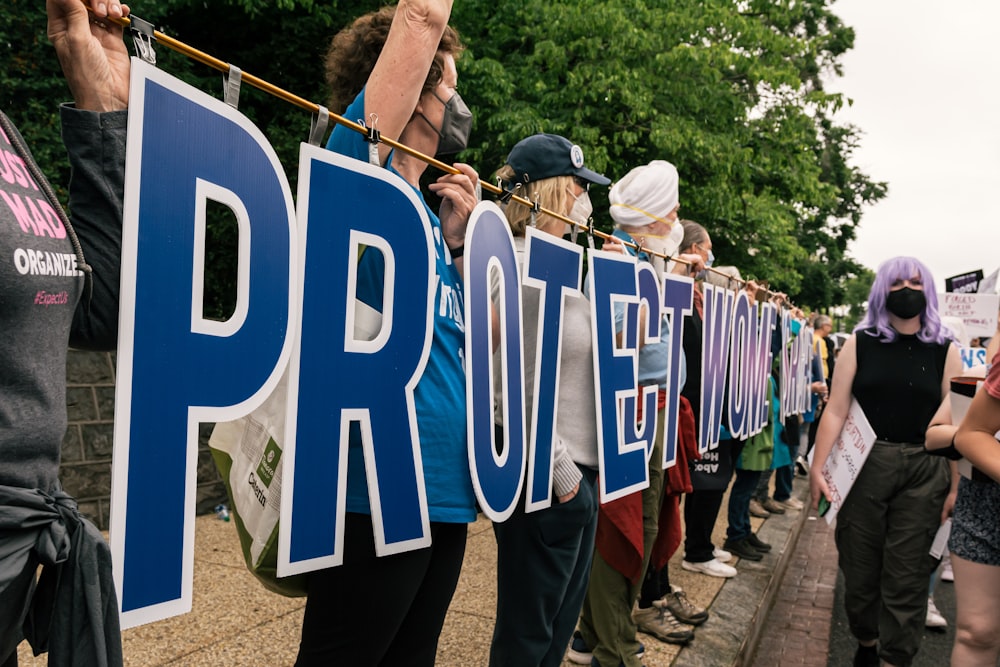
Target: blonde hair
(550, 193)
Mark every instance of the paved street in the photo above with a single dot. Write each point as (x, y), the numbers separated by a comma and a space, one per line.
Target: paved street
(807, 626)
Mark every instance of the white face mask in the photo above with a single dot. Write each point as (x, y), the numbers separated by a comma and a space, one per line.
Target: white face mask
(665, 245)
(581, 211)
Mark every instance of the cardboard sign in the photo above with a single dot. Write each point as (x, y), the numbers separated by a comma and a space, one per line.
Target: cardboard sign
(973, 356)
(848, 456)
(964, 283)
(977, 311)
(185, 148)
(355, 338)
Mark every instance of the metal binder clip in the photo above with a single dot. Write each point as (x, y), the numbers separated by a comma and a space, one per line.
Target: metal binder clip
(507, 193)
(590, 233)
(535, 208)
(143, 38)
(374, 138)
(231, 86)
(317, 128)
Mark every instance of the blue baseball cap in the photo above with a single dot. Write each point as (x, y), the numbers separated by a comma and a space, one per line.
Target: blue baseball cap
(547, 155)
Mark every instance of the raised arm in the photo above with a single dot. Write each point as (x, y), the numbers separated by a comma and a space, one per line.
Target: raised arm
(91, 51)
(396, 81)
(96, 64)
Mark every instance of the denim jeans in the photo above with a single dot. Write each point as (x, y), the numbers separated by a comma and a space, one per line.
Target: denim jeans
(783, 481)
(740, 493)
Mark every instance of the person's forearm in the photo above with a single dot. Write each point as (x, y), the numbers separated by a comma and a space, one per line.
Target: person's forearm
(975, 438)
(982, 450)
(939, 436)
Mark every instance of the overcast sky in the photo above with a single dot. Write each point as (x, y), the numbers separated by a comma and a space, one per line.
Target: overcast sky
(925, 81)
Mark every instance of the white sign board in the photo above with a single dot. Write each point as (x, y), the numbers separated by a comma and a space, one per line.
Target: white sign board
(849, 453)
(977, 311)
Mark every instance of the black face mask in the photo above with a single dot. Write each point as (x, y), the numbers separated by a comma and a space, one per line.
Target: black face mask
(906, 303)
(456, 125)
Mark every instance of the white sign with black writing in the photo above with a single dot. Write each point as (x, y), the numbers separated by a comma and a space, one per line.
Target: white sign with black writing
(977, 311)
(849, 453)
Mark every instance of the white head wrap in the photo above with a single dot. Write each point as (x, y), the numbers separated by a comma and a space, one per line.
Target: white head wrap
(646, 194)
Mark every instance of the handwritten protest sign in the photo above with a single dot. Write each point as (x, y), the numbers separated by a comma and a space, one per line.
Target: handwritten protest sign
(977, 311)
(849, 453)
(973, 356)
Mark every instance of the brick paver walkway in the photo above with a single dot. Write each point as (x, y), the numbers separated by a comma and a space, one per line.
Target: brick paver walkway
(797, 629)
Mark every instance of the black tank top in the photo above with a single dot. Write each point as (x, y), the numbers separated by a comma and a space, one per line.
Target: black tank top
(898, 384)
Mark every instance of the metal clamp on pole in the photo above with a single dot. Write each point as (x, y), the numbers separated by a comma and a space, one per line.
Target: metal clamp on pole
(231, 86)
(143, 38)
(317, 128)
(536, 208)
(507, 193)
(374, 138)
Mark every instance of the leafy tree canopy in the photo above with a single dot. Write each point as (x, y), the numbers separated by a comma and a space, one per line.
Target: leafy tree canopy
(730, 92)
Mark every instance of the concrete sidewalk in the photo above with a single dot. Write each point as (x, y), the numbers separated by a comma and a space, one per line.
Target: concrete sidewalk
(235, 621)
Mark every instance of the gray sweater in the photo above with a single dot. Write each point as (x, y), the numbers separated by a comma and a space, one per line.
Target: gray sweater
(44, 304)
(576, 413)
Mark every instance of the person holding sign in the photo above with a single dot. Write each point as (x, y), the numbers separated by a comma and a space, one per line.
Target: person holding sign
(59, 287)
(897, 364)
(544, 556)
(398, 65)
(975, 535)
(702, 504)
(644, 205)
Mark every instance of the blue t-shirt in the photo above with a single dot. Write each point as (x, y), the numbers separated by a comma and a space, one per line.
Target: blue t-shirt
(653, 357)
(440, 394)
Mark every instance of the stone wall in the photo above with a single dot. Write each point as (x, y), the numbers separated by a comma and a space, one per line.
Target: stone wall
(87, 447)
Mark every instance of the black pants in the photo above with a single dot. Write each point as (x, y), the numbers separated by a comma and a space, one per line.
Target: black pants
(884, 532)
(654, 586)
(543, 567)
(388, 610)
(701, 509)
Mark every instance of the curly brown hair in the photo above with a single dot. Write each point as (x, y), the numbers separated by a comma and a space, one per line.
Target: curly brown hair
(355, 49)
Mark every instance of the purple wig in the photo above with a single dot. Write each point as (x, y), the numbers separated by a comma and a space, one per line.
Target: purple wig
(877, 318)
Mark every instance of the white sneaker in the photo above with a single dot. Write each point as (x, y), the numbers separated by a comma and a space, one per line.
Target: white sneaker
(721, 555)
(791, 504)
(934, 617)
(946, 573)
(712, 568)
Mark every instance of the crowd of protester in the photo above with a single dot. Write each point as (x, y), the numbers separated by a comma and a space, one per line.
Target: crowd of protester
(580, 580)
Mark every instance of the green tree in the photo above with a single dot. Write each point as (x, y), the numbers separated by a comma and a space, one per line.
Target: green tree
(856, 290)
(729, 92)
